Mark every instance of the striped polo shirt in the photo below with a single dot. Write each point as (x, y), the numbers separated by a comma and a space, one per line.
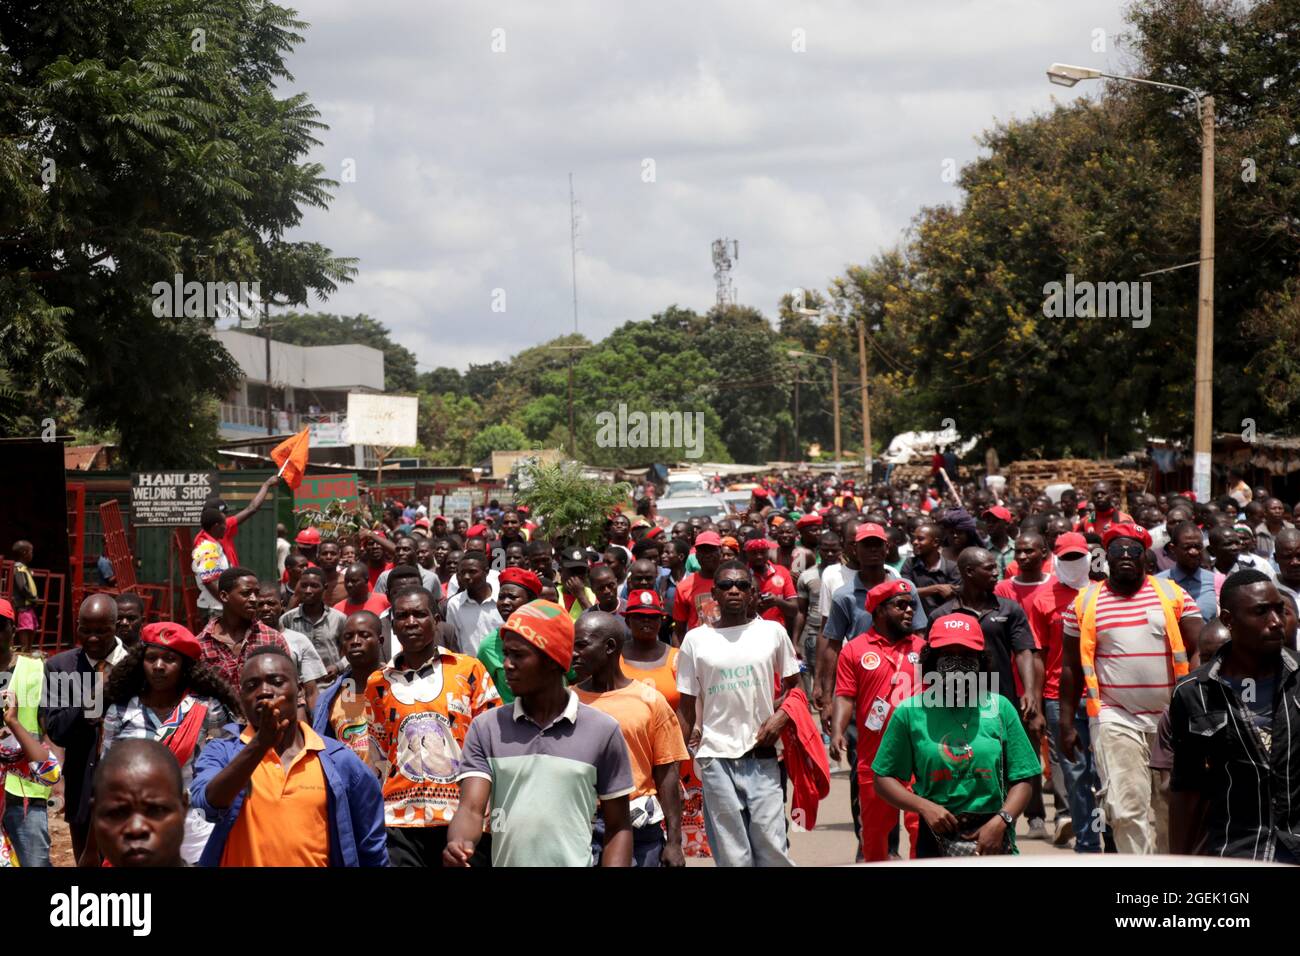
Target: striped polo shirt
(546, 780)
(1135, 673)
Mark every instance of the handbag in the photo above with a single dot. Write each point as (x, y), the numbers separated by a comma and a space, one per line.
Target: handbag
(963, 841)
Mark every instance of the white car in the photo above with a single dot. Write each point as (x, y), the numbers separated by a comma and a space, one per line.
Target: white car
(686, 483)
(684, 508)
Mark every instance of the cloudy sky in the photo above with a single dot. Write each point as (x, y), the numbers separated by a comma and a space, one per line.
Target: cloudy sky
(810, 132)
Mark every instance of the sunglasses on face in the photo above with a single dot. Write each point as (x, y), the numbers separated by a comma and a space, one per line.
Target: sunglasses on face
(739, 583)
(1126, 551)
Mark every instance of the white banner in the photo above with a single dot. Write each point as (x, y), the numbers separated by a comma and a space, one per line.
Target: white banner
(387, 421)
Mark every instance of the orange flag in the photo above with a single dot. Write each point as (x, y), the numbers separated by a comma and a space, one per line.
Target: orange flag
(291, 456)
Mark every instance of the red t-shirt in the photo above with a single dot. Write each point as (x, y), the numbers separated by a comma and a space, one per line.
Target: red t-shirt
(227, 543)
(1013, 569)
(1022, 594)
(375, 604)
(776, 580)
(374, 574)
(694, 602)
(1044, 612)
(1102, 522)
(877, 674)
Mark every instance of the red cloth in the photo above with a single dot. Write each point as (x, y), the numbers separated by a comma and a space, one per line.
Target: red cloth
(805, 760)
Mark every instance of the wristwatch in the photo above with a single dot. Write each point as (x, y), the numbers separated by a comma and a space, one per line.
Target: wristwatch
(1007, 818)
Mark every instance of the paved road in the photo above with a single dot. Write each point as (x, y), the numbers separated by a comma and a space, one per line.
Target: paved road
(832, 843)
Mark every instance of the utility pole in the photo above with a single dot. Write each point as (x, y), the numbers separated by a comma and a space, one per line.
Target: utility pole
(573, 258)
(1203, 435)
(266, 333)
(573, 448)
(866, 400)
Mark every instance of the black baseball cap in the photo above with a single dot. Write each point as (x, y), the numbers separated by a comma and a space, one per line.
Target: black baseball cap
(573, 558)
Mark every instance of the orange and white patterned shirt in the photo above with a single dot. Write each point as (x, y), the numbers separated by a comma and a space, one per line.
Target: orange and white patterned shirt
(418, 720)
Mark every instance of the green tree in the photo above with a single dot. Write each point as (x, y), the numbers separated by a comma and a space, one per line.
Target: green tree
(496, 438)
(573, 507)
(144, 138)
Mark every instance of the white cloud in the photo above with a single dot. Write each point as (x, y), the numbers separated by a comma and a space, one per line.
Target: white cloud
(812, 160)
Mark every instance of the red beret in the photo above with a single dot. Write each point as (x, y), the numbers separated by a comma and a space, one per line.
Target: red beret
(172, 636)
(653, 533)
(1126, 530)
(808, 521)
(885, 590)
(476, 531)
(524, 578)
(761, 493)
(758, 544)
(6, 609)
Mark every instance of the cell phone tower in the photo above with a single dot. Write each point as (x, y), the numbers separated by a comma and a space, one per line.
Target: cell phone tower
(725, 253)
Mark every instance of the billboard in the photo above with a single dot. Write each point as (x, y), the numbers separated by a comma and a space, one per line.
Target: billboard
(387, 421)
(317, 491)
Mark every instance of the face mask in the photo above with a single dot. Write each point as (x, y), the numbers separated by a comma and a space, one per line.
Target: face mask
(1073, 573)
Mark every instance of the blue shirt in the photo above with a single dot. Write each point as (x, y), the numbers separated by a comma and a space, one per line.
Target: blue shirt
(1200, 585)
(849, 616)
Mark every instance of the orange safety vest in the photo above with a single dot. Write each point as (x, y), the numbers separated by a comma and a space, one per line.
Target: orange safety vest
(1085, 612)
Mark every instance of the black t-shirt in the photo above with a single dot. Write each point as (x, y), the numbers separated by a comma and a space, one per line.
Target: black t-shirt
(914, 570)
(1006, 632)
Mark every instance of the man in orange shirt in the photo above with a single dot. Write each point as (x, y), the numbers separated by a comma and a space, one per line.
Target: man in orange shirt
(418, 709)
(653, 735)
(281, 795)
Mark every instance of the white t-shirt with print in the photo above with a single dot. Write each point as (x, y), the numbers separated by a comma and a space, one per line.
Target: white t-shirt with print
(732, 673)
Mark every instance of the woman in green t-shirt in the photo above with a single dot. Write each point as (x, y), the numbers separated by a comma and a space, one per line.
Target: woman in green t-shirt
(955, 752)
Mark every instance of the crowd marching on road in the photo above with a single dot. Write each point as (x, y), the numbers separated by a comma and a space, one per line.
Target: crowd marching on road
(444, 694)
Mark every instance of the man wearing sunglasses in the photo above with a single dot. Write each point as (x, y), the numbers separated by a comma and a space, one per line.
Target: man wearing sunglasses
(725, 673)
(1127, 641)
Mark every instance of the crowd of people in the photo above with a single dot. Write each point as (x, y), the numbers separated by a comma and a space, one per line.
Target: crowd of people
(434, 692)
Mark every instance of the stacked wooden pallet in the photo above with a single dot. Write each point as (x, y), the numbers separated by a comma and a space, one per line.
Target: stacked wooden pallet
(1028, 478)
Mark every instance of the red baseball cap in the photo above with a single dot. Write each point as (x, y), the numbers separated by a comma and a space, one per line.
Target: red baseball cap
(421, 522)
(999, 512)
(957, 630)
(1070, 543)
(885, 590)
(171, 636)
(870, 530)
(1126, 530)
(308, 536)
(643, 601)
(7, 610)
(706, 538)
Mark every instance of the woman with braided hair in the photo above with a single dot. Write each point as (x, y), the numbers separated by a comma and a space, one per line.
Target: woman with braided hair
(160, 691)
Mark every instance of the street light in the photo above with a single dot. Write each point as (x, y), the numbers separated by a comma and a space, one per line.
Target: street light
(835, 391)
(1063, 74)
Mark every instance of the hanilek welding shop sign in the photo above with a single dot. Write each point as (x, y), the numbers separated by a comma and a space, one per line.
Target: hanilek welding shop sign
(170, 499)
